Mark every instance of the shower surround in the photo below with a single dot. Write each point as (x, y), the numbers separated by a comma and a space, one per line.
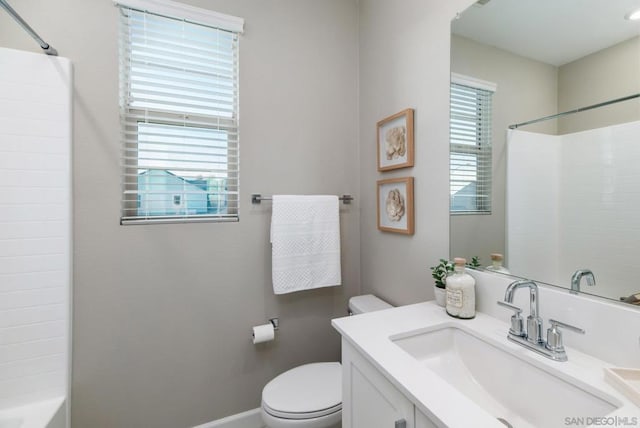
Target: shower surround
(35, 231)
(565, 193)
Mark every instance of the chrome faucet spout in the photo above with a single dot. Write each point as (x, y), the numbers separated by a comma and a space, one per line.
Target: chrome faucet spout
(533, 294)
(577, 277)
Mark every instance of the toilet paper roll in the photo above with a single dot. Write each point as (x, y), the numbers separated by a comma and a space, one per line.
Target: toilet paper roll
(263, 333)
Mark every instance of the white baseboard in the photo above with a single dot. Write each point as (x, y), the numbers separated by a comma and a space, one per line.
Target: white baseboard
(248, 419)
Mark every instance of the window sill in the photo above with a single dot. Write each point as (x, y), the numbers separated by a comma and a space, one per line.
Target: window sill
(175, 220)
(470, 212)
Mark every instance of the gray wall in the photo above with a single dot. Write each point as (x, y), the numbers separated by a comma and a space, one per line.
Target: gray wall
(404, 62)
(608, 74)
(162, 313)
(527, 89)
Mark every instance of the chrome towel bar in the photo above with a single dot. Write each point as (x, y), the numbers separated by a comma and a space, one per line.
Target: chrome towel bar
(256, 198)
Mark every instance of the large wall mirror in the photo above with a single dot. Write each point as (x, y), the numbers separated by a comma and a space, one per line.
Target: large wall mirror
(564, 192)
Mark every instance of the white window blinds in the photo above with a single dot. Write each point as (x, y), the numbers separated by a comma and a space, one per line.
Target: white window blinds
(179, 120)
(470, 151)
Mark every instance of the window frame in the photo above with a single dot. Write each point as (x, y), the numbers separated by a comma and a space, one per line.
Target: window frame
(482, 149)
(130, 115)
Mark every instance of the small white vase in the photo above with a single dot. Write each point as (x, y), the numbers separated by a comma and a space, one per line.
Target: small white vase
(441, 296)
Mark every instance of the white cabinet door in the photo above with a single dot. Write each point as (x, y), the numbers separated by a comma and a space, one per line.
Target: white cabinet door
(369, 400)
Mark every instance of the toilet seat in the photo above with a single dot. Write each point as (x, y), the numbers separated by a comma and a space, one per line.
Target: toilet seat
(305, 392)
(310, 415)
(328, 421)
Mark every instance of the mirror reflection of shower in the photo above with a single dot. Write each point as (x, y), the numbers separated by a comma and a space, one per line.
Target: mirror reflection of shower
(546, 63)
(573, 202)
(577, 110)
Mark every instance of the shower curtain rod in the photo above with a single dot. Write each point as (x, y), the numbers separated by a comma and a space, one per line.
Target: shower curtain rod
(578, 110)
(48, 49)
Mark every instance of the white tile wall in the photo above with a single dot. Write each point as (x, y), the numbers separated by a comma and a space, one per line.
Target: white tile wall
(600, 206)
(589, 181)
(532, 205)
(35, 221)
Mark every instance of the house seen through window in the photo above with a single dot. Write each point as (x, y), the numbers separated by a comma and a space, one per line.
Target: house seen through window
(179, 110)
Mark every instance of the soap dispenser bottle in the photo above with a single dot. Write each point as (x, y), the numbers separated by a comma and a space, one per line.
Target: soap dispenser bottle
(496, 264)
(461, 292)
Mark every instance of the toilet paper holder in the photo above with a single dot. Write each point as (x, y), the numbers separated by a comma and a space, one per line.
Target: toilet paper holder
(266, 332)
(275, 322)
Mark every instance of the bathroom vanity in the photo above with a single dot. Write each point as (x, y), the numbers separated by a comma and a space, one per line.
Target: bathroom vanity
(374, 400)
(414, 366)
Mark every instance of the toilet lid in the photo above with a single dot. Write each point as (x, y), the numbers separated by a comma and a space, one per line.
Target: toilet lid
(311, 390)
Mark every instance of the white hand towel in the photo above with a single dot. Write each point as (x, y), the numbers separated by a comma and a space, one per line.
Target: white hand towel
(305, 242)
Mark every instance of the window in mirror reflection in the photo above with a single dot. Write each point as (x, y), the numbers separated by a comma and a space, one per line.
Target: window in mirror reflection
(470, 150)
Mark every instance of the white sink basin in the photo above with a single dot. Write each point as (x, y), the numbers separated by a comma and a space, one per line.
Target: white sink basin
(508, 387)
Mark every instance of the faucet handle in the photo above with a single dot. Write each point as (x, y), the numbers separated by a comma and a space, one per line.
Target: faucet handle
(517, 323)
(554, 336)
(514, 308)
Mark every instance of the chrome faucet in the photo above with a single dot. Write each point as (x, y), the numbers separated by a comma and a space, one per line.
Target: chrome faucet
(577, 276)
(534, 322)
(532, 337)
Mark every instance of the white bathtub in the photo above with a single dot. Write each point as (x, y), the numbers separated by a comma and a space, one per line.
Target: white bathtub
(42, 414)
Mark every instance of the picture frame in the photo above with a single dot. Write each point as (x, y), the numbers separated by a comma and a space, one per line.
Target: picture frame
(395, 205)
(394, 137)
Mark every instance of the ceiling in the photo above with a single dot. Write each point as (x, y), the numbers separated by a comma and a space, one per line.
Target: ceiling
(552, 31)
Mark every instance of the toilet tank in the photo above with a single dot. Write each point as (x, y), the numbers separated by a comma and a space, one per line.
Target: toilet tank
(366, 303)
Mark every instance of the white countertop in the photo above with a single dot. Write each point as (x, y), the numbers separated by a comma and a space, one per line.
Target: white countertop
(370, 334)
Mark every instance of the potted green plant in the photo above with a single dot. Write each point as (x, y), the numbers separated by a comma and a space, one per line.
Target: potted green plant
(475, 262)
(439, 273)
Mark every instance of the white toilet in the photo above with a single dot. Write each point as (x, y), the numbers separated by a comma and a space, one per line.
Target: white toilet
(310, 396)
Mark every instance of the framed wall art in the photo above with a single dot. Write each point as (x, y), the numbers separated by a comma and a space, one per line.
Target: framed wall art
(395, 205)
(395, 141)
